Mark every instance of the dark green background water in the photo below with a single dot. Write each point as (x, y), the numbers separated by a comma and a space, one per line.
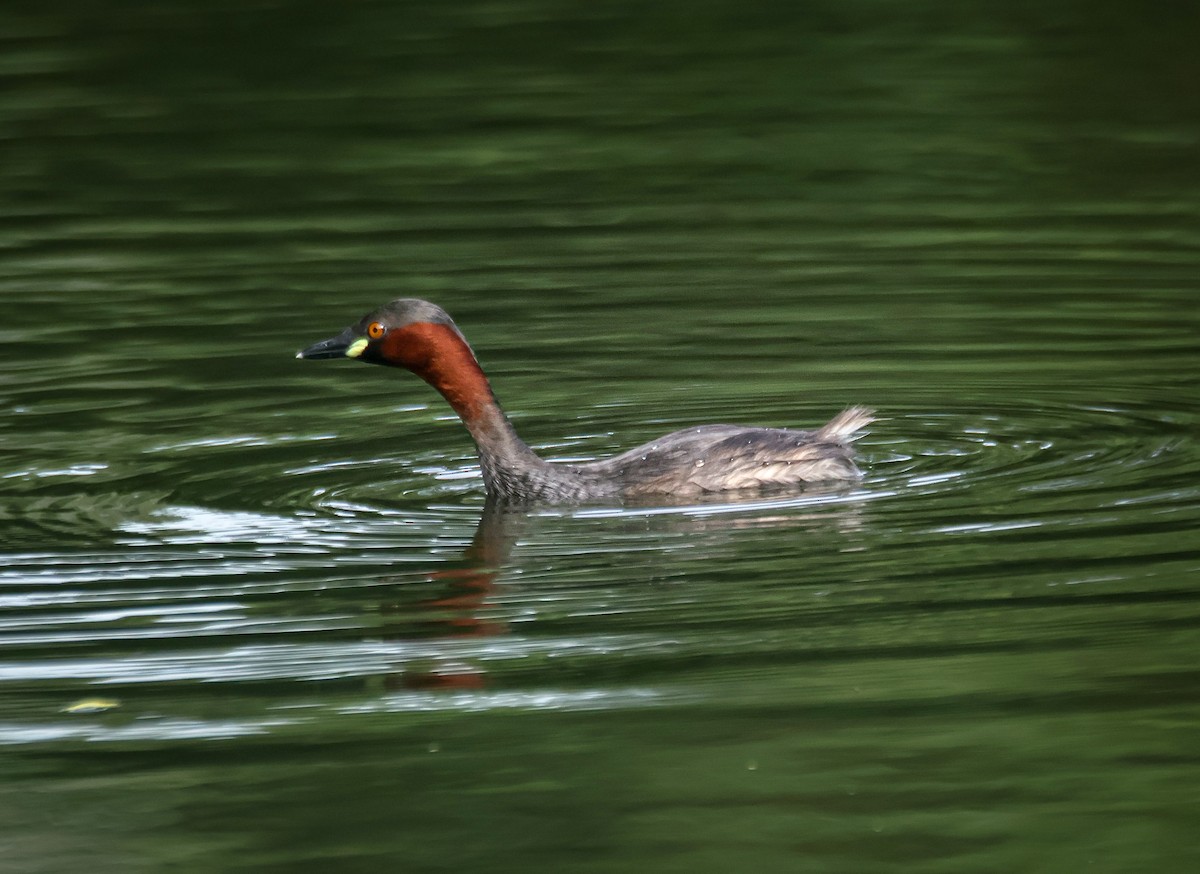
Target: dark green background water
(979, 219)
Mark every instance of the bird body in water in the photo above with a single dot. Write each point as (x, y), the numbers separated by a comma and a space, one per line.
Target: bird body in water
(419, 336)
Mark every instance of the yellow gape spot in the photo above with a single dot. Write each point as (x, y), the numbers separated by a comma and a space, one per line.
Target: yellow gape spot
(357, 347)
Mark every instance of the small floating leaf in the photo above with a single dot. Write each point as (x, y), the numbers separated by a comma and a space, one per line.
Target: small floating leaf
(92, 705)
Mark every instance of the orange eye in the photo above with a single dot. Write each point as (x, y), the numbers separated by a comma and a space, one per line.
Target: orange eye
(375, 330)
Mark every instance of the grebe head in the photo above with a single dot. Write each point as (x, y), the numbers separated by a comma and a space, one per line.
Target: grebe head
(419, 337)
(406, 332)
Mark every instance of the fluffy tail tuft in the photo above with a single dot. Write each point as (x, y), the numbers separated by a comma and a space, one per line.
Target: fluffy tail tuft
(844, 426)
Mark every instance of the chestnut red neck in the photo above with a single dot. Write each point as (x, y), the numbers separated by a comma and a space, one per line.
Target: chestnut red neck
(439, 355)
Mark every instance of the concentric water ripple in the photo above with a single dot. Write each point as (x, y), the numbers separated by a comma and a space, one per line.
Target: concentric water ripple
(1062, 450)
(266, 595)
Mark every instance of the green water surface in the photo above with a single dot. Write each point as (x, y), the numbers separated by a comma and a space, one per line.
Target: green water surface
(254, 612)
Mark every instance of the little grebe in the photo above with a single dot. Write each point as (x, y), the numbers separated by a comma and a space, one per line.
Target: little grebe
(421, 337)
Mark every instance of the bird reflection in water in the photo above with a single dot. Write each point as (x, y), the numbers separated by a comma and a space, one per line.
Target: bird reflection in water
(460, 609)
(461, 605)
